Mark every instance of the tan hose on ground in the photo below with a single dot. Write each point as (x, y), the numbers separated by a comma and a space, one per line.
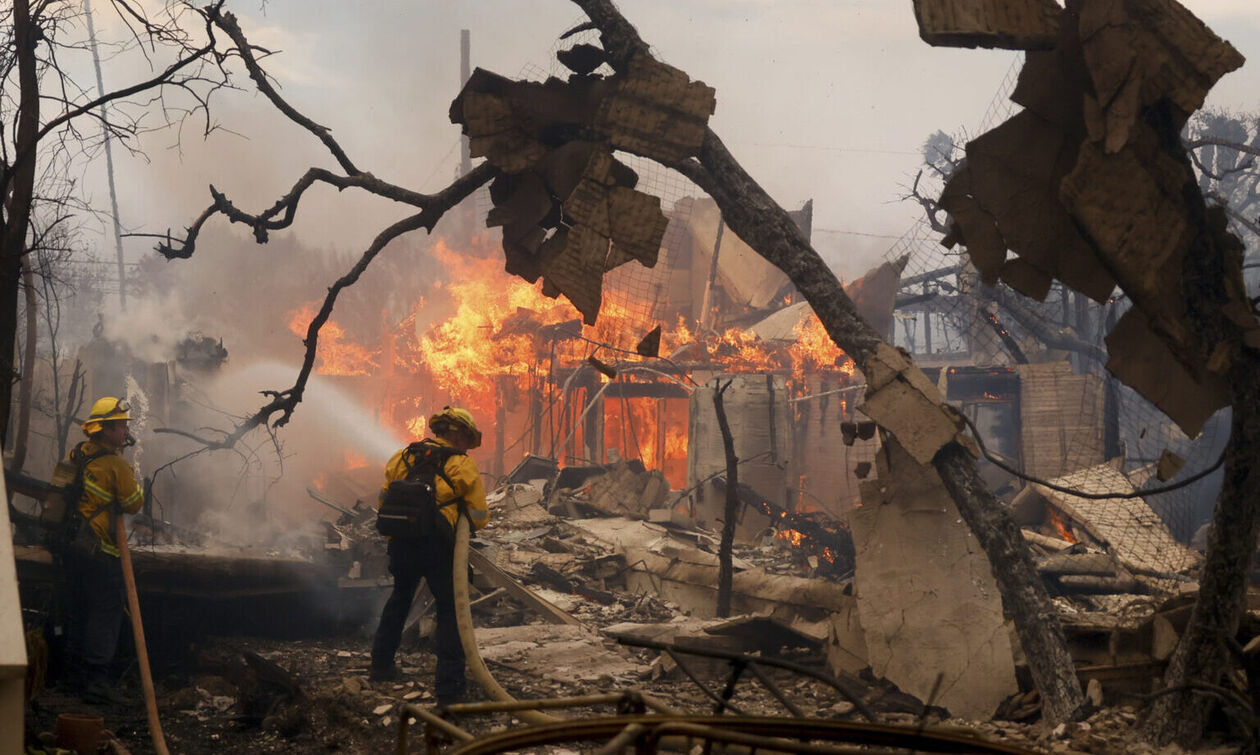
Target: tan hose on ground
(137, 630)
(463, 617)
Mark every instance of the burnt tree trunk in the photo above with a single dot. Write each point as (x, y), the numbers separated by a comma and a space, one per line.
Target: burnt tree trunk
(767, 228)
(726, 572)
(28, 369)
(18, 193)
(1202, 658)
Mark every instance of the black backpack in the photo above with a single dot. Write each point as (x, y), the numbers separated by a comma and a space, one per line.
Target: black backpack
(61, 509)
(409, 509)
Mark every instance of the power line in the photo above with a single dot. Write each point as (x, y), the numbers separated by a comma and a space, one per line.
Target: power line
(859, 233)
(823, 148)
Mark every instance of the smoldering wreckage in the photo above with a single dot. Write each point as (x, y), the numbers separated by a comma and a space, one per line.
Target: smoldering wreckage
(861, 608)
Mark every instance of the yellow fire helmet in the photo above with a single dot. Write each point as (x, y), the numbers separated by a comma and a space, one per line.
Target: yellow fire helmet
(455, 418)
(106, 409)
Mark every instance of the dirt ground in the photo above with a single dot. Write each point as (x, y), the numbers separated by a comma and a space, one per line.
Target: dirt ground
(317, 697)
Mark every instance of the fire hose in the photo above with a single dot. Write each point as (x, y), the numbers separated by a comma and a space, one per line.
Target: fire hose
(463, 617)
(137, 630)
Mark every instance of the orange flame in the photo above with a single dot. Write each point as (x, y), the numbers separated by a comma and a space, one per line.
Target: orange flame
(489, 341)
(1060, 524)
(793, 537)
(335, 355)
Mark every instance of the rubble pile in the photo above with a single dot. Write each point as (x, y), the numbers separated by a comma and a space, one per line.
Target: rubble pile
(578, 569)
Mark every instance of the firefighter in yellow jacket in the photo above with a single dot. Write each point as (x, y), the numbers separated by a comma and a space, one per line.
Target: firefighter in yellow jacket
(459, 488)
(96, 582)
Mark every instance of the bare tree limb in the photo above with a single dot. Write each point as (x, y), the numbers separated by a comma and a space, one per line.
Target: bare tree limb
(284, 402)
(930, 207)
(1245, 222)
(1210, 141)
(227, 22)
(267, 220)
(165, 76)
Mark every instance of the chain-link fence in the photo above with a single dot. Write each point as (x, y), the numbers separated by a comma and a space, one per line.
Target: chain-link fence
(1058, 414)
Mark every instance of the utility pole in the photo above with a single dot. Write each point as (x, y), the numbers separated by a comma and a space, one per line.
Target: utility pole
(465, 72)
(109, 158)
(465, 157)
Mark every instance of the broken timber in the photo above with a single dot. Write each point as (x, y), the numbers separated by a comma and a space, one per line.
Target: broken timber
(549, 612)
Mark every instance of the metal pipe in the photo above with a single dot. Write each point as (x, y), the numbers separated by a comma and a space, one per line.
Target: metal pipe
(506, 706)
(407, 710)
(772, 744)
(834, 683)
(774, 690)
(622, 740)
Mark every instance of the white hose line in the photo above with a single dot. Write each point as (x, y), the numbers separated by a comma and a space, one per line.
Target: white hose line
(463, 617)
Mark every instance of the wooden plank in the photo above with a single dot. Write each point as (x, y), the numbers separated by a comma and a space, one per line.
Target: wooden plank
(1006, 24)
(547, 610)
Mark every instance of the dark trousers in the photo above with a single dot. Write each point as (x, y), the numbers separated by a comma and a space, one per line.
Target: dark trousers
(95, 613)
(410, 562)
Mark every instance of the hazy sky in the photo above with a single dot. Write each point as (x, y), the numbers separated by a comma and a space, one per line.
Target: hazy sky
(827, 100)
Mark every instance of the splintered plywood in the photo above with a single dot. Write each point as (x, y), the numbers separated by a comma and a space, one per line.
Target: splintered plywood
(636, 226)
(745, 276)
(904, 402)
(657, 111)
(1133, 531)
(1141, 360)
(574, 266)
(1131, 208)
(1061, 419)
(1012, 175)
(1123, 192)
(927, 599)
(1005, 24)
(1138, 51)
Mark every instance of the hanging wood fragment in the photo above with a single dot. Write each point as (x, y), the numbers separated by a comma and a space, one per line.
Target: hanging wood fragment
(1007, 24)
(568, 208)
(1083, 190)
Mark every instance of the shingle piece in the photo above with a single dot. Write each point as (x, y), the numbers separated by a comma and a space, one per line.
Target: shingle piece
(638, 225)
(1005, 24)
(552, 181)
(657, 111)
(576, 268)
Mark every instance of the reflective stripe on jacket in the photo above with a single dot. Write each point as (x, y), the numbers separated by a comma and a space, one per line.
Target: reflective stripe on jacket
(463, 474)
(107, 479)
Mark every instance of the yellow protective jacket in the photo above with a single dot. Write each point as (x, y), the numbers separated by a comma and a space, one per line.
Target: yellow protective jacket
(105, 480)
(463, 474)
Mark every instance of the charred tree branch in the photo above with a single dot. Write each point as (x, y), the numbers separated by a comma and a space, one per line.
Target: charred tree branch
(726, 571)
(1209, 141)
(227, 22)
(1244, 221)
(931, 209)
(1063, 338)
(284, 402)
(282, 213)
